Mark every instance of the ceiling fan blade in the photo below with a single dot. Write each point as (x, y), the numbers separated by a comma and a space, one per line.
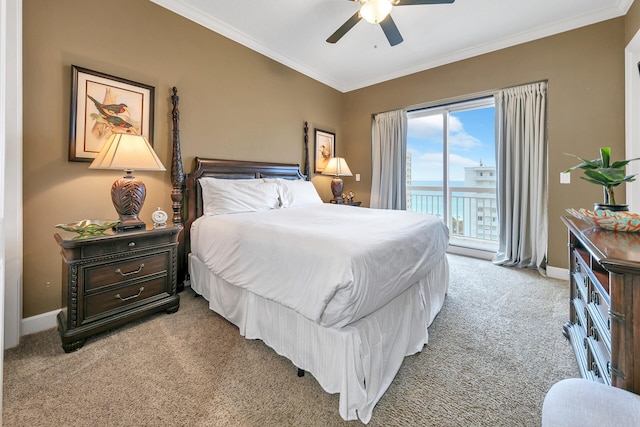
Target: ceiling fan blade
(391, 31)
(415, 2)
(344, 28)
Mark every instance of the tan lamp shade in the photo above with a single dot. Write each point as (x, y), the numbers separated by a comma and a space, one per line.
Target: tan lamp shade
(128, 152)
(337, 167)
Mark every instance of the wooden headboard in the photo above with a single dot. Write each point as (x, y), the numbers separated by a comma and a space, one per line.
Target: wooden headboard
(186, 193)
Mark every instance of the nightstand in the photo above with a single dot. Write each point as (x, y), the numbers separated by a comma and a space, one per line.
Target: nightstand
(112, 279)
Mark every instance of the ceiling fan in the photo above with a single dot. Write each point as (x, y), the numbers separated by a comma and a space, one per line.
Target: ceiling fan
(379, 12)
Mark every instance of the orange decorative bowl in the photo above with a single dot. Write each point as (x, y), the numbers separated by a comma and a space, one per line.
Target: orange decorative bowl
(609, 220)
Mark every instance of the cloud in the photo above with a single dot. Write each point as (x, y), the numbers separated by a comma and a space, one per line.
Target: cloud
(428, 166)
(427, 127)
(464, 141)
(430, 128)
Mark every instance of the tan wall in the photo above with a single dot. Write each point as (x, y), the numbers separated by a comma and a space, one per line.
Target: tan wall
(234, 103)
(585, 71)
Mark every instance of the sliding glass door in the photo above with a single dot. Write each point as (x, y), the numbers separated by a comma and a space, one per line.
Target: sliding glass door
(451, 169)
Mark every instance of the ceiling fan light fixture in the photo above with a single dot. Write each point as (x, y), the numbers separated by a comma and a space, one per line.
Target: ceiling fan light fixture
(375, 11)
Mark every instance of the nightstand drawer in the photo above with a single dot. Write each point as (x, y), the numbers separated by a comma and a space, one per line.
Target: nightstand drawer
(127, 243)
(103, 302)
(127, 269)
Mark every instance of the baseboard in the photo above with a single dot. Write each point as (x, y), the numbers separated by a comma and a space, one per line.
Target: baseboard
(557, 273)
(473, 253)
(552, 272)
(39, 322)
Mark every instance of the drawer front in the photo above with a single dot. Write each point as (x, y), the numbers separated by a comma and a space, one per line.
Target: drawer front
(120, 245)
(599, 360)
(96, 277)
(581, 314)
(122, 298)
(600, 326)
(599, 303)
(580, 290)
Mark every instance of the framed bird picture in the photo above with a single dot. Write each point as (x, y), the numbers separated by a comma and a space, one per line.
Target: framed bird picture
(325, 149)
(102, 105)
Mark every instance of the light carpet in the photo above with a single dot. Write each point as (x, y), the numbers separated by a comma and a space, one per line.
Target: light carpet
(494, 351)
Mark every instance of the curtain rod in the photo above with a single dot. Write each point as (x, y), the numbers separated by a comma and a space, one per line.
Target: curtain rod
(462, 98)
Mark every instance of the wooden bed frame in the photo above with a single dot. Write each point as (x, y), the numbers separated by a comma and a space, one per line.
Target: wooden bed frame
(186, 192)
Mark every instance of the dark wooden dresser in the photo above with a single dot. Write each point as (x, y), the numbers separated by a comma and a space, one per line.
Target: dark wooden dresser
(604, 324)
(112, 279)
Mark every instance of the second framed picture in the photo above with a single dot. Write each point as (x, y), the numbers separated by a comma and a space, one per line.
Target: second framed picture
(325, 149)
(102, 105)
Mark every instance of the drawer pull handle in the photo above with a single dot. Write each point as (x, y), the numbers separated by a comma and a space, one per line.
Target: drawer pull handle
(132, 296)
(130, 272)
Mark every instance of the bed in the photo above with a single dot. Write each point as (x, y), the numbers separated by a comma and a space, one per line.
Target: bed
(345, 293)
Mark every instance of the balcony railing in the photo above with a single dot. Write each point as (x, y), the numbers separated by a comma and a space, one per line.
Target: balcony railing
(473, 211)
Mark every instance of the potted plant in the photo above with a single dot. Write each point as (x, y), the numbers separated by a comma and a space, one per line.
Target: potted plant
(609, 175)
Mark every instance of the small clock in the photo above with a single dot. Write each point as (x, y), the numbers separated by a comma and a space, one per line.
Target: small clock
(159, 218)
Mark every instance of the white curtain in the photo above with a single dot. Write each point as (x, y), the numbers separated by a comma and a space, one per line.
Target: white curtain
(389, 160)
(521, 155)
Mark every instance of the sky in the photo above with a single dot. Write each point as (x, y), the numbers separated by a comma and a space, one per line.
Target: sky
(471, 140)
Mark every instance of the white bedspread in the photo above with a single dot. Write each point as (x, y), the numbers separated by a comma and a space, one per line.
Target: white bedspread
(332, 264)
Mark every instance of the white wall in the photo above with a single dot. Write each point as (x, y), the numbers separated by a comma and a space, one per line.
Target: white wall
(632, 119)
(11, 179)
(11, 165)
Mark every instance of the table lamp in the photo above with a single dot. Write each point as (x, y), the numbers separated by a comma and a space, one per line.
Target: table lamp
(128, 152)
(337, 167)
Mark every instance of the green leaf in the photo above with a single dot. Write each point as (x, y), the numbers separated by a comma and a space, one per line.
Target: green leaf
(596, 176)
(612, 174)
(605, 156)
(586, 164)
(623, 163)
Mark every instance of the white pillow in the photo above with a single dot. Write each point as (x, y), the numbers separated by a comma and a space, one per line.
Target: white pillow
(296, 192)
(227, 196)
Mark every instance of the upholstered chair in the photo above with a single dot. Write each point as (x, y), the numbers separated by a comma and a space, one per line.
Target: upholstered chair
(584, 403)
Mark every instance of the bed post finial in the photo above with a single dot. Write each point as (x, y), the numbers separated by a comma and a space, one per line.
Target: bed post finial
(307, 168)
(177, 176)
